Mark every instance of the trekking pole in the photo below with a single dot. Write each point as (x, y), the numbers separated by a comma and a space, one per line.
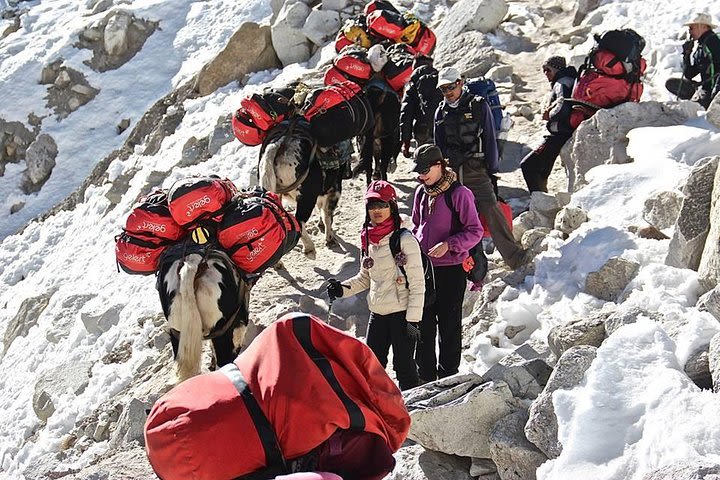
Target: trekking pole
(330, 303)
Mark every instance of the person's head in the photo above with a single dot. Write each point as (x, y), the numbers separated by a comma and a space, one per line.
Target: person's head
(450, 83)
(429, 164)
(700, 23)
(552, 65)
(381, 203)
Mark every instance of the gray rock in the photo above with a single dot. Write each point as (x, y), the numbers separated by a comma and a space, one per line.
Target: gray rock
(469, 52)
(477, 15)
(222, 134)
(99, 315)
(84, 90)
(541, 427)
(612, 278)
(482, 466)
(697, 368)
(602, 139)
(516, 458)
(713, 112)
(115, 35)
(130, 425)
(583, 8)
(690, 470)
(62, 79)
(583, 331)
(40, 161)
(337, 5)
(545, 204)
(525, 371)
(288, 39)
(533, 238)
(710, 302)
(663, 208)
(122, 126)
(416, 463)
(529, 220)
(455, 415)
(321, 26)
(249, 49)
(626, 316)
(500, 73)
(709, 268)
(693, 224)
(26, 318)
(67, 378)
(569, 219)
(714, 361)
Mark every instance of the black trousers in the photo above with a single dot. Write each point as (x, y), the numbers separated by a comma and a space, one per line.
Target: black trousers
(385, 331)
(538, 164)
(443, 317)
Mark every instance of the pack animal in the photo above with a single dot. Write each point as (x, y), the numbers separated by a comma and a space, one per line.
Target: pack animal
(381, 145)
(203, 296)
(289, 166)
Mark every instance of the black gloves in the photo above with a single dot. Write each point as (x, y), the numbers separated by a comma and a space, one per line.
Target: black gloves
(334, 289)
(413, 332)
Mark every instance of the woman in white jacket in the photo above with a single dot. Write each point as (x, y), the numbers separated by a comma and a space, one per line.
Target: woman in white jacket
(395, 298)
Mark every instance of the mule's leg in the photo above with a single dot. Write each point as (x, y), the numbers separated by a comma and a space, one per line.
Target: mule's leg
(308, 244)
(223, 347)
(307, 197)
(186, 318)
(366, 155)
(329, 204)
(175, 342)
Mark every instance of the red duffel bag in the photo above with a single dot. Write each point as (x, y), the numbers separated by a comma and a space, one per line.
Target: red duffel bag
(245, 129)
(303, 396)
(198, 198)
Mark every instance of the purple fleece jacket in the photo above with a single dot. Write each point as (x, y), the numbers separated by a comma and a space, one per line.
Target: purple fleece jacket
(437, 227)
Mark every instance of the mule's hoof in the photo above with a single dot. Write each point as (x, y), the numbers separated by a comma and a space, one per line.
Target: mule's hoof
(279, 265)
(321, 226)
(311, 254)
(331, 242)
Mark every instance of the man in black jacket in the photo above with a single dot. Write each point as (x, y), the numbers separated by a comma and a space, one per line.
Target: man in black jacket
(705, 61)
(538, 164)
(419, 103)
(465, 133)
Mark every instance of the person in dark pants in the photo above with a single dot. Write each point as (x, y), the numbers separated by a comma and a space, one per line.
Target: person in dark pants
(419, 103)
(538, 164)
(395, 299)
(446, 241)
(465, 133)
(705, 61)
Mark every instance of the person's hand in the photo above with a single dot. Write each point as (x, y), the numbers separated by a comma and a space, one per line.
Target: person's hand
(687, 47)
(406, 149)
(334, 289)
(438, 250)
(413, 332)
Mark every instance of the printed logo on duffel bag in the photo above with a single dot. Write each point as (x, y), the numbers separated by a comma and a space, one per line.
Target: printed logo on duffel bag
(138, 254)
(152, 217)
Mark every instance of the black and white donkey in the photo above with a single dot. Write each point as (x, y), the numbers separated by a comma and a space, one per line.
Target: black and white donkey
(203, 296)
(290, 165)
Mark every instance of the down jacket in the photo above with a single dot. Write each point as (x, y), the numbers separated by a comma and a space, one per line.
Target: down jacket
(388, 293)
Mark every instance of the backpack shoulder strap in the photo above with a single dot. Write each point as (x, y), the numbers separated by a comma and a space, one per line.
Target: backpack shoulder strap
(451, 205)
(395, 249)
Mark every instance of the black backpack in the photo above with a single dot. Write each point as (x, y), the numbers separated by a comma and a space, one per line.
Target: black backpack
(476, 265)
(428, 271)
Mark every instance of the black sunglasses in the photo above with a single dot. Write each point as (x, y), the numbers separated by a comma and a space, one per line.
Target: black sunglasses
(425, 171)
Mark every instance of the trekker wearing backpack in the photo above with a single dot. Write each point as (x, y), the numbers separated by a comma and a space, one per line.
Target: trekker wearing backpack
(705, 61)
(538, 164)
(446, 237)
(419, 103)
(465, 133)
(396, 283)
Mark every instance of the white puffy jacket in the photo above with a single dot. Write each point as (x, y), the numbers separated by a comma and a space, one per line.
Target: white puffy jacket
(388, 293)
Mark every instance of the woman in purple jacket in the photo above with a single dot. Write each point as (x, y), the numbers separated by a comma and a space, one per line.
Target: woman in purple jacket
(446, 238)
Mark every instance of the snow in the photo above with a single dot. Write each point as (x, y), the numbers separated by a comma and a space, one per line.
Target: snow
(635, 410)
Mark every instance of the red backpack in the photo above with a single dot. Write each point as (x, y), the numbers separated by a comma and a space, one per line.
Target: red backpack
(256, 231)
(193, 199)
(425, 41)
(303, 396)
(354, 64)
(245, 129)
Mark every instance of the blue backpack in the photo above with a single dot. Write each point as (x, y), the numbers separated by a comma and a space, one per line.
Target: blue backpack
(486, 89)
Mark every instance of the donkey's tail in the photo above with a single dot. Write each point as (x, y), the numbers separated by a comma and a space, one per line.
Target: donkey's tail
(266, 167)
(188, 321)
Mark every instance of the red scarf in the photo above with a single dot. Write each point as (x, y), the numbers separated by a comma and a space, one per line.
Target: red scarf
(376, 232)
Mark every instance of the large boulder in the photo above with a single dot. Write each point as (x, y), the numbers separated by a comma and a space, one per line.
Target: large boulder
(612, 278)
(480, 15)
(525, 371)
(456, 415)
(662, 209)
(288, 39)
(583, 8)
(65, 379)
(321, 26)
(693, 223)
(117, 28)
(26, 318)
(515, 457)
(583, 331)
(249, 49)
(40, 161)
(541, 427)
(469, 52)
(709, 268)
(710, 302)
(602, 139)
